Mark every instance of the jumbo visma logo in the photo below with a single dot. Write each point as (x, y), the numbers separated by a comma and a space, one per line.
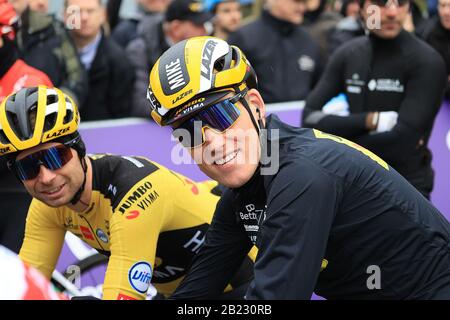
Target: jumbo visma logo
(140, 275)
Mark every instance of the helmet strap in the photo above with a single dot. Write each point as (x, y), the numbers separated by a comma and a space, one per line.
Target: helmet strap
(77, 197)
(257, 124)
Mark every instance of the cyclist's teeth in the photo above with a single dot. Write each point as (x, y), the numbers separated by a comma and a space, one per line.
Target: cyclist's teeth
(55, 190)
(228, 158)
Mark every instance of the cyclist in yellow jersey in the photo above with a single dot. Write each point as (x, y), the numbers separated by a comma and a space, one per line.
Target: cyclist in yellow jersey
(149, 220)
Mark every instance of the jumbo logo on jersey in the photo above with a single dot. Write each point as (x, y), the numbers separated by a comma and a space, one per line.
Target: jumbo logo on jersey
(140, 275)
(143, 195)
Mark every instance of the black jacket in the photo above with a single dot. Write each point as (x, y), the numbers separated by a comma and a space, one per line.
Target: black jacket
(402, 74)
(110, 83)
(285, 58)
(45, 44)
(434, 33)
(143, 52)
(324, 221)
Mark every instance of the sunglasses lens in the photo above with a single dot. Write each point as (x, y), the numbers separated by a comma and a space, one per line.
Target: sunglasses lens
(26, 168)
(52, 158)
(220, 117)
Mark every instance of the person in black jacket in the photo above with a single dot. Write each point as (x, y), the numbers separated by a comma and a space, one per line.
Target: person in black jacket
(110, 73)
(183, 19)
(436, 32)
(45, 44)
(325, 214)
(394, 84)
(286, 59)
(128, 29)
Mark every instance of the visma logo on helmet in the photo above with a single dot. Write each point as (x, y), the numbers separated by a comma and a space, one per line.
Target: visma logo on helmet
(195, 104)
(140, 275)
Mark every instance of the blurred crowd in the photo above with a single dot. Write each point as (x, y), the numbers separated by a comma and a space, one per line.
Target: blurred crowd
(103, 60)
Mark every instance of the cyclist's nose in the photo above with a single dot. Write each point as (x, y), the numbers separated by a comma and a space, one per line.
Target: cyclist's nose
(46, 176)
(211, 136)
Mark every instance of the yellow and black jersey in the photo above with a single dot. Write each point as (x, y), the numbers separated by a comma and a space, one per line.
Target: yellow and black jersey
(148, 219)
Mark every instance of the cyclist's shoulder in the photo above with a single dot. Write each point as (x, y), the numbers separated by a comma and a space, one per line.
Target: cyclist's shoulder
(114, 175)
(354, 46)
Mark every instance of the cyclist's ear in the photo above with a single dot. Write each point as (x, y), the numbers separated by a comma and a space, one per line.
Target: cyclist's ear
(256, 102)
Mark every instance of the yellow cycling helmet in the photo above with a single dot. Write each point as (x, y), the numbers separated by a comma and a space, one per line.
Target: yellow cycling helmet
(194, 74)
(36, 115)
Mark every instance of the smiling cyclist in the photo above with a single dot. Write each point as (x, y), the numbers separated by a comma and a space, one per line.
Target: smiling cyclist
(331, 217)
(149, 220)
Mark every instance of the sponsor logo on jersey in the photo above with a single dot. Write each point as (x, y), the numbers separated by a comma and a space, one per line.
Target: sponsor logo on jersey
(133, 214)
(306, 63)
(112, 189)
(122, 296)
(355, 84)
(385, 85)
(68, 224)
(139, 276)
(101, 235)
(143, 196)
(194, 188)
(86, 233)
(252, 217)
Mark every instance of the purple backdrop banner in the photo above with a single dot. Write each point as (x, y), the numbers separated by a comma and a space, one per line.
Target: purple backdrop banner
(148, 139)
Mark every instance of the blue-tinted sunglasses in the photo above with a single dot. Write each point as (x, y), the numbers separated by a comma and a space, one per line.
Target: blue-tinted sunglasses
(219, 117)
(52, 158)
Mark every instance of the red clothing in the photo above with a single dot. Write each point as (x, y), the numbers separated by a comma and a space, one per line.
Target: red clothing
(19, 281)
(19, 76)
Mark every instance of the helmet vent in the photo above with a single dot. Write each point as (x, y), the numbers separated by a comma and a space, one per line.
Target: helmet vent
(3, 138)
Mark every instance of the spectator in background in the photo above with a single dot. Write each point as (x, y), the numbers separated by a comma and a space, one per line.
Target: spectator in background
(227, 16)
(45, 44)
(319, 21)
(15, 74)
(110, 73)
(436, 32)
(183, 19)
(128, 30)
(394, 84)
(39, 5)
(285, 57)
(348, 28)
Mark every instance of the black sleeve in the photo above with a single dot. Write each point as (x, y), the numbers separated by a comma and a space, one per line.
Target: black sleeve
(329, 86)
(423, 98)
(226, 245)
(302, 203)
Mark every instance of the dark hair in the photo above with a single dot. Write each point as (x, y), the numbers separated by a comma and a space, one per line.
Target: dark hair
(66, 3)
